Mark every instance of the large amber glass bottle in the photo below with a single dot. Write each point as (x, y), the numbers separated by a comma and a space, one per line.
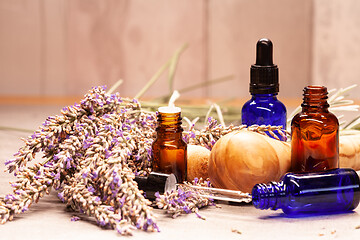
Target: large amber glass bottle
(314, 133)
(169, 149)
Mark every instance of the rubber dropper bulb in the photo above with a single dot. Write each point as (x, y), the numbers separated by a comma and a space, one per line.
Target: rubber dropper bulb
(264, 52)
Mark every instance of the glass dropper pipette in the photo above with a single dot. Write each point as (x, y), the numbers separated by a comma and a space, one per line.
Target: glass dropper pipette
(160, 182)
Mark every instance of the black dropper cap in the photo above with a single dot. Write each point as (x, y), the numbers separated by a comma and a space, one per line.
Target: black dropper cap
(264, 75)
(156, 182)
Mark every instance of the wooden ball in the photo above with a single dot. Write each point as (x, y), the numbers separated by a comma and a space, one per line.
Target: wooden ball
(197, 162)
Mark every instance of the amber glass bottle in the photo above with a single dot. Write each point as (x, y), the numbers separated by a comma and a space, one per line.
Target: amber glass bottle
(314, 133)
(169, 150)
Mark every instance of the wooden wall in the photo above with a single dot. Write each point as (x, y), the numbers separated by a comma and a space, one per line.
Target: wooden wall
(64, 47)
(336, 43)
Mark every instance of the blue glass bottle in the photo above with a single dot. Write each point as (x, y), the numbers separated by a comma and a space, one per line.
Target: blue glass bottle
(297, 194)
(264, 108)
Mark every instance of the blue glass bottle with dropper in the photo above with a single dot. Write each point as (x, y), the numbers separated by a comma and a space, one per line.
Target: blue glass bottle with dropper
(264, 108)
(308, 193)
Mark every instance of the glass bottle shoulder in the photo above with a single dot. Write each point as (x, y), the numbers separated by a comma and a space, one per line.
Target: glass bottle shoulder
(264, 104)
(170, 138)
(264, 110)
(315, 118)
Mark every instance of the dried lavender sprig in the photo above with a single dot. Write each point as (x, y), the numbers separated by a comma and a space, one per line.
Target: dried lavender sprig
(184, 199)
(57, 128)
(32, 183)
(114, 206)
(212, 132)
(209, 135)
(117, 190)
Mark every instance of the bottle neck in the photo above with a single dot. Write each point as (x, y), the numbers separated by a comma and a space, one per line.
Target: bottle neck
(264, 96)
(268, 196)
(169, 122)
(315, 99)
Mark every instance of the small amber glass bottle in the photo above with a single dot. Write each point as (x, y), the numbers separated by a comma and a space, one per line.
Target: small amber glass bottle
(169, 149)
(314, 133)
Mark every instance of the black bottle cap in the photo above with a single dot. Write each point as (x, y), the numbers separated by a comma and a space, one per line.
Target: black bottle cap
(156, 182)
(264, 75)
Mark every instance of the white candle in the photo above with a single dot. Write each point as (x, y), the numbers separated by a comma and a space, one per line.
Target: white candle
(169, 109)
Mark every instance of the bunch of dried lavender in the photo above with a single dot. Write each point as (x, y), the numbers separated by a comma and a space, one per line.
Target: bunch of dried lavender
(212, 132)
(92, 151)
(184, 199)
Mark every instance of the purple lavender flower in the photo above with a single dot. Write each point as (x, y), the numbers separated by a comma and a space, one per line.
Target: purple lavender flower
(9, 161)
(87, 143)
(196, 180)
(139, 223)
(17, 154)
(24, 209)
(199, 216)
(186, 209)
(107, 153)
(10, 197)
(118, 181)
(122, 201)
(102, 222)
(91, 189)
(75, 218)
(35, 135)
(108, 128)
(68, 162)
(94, 175)
(211, 122)
(119, 133)
(18, 192)
(61, 196)
(114, 142)
(119, 229)
(57, 176)
(157, 195)
(208, 183)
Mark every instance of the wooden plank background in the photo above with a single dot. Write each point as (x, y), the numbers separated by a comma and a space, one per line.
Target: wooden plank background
(65, 47)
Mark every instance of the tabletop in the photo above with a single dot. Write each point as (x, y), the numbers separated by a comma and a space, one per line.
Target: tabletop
(50, 219)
